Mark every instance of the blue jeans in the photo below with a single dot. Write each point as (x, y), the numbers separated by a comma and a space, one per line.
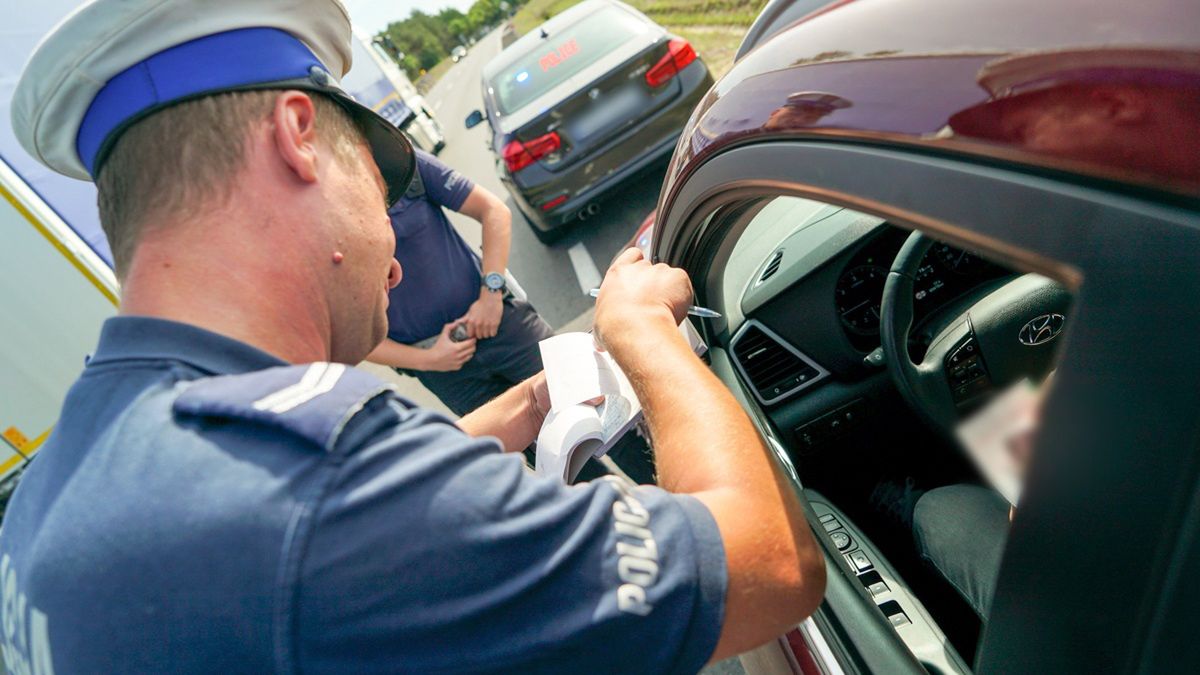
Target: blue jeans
(961, 530)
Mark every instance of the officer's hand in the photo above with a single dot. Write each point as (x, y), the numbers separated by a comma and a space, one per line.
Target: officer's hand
(540, 393)
(445, 354)
(483, 318)
(539, 397)
(636, 296)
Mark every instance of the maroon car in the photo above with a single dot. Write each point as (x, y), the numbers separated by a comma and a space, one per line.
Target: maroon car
(903, 208)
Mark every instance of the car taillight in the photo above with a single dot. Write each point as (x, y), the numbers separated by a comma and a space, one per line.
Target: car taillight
(518, 155)
(554, 202)
(679, 55)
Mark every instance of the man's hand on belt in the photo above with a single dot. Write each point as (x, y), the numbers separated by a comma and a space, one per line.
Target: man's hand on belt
(447, 355)
(483, 317)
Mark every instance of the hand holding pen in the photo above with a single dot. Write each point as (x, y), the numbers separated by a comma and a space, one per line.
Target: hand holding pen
(693, 310)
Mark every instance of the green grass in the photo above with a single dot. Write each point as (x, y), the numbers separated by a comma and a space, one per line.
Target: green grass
(430, 78)
(714, 27)
(536, 12)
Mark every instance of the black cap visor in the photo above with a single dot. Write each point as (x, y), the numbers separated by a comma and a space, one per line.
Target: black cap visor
(391, 149)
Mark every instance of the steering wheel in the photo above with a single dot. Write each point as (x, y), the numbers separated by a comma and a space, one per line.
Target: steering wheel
(1007, 332)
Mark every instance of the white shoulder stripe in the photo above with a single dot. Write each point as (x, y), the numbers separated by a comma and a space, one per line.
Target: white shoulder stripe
(318, 379)
(306, 382)
(328, 381)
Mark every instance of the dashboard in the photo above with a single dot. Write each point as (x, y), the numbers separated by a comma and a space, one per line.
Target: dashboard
(805, 326)
(945, 274)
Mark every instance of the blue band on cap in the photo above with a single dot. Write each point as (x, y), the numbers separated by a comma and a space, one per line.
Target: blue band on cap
(223, 61)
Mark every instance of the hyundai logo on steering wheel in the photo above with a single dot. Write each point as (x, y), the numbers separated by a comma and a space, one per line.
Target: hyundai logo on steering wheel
(1042, 329)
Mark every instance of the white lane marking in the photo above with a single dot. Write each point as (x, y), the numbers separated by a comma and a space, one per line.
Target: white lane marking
(585, 269)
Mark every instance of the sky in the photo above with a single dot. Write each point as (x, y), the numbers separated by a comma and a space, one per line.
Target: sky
(374, 15)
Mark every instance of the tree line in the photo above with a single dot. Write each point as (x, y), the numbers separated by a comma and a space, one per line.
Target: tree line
(421, 41)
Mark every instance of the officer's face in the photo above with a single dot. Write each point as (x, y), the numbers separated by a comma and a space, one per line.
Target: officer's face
(368, 268)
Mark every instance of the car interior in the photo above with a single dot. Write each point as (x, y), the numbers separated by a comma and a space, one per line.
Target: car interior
(862, 380)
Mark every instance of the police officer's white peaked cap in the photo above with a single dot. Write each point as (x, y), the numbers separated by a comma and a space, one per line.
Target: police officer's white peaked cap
(112, 62)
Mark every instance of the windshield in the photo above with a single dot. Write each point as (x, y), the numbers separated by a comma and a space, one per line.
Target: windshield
(563, 54)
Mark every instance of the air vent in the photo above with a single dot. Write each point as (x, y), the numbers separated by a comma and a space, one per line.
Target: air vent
(774, 368)
(772, 266)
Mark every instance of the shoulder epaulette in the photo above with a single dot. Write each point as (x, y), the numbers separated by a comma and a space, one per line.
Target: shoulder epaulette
(313, 401)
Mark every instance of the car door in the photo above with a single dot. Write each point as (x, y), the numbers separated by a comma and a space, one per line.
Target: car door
(1098, 572)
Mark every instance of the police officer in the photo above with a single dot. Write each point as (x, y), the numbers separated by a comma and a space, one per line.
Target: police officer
(448, 286)
(223, 494)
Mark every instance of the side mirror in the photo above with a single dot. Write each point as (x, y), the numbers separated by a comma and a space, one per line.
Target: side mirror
(474, 118)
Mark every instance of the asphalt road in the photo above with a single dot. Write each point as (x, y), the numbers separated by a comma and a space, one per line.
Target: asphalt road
(554, 276)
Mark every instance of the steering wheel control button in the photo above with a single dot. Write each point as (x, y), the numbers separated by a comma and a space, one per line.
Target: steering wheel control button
(965, 371)
(875, 359)
(965, 349)
(841, 540)
(860, 561)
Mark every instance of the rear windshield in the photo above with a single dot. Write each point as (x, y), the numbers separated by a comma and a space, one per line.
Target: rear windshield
(562, 55)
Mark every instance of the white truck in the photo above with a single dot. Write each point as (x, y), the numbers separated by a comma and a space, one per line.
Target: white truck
(55, 291)
(377, 81)
(56, 282)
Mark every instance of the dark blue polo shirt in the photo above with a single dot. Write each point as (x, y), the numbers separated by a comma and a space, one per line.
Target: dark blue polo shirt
(441, 273)
(202, 507)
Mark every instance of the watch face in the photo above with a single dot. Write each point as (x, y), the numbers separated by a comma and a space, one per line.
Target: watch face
(494, 281)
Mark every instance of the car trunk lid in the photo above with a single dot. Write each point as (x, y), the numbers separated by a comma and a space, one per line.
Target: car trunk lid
(598, 101)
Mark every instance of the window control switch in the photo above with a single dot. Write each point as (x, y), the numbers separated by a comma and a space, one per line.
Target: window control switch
(842, 541)
(874, 583)
(895, 614)
(859, 561)
(868, 578)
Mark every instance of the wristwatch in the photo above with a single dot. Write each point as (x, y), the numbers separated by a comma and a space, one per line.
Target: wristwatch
(494, 282)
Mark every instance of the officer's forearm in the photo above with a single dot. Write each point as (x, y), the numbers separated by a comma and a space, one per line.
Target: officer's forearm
(514, 417)
(706, 446)
(396, 355)
(677, 390)
(497, 238)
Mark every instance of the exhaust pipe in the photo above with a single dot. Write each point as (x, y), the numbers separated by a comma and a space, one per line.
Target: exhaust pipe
(588, 211)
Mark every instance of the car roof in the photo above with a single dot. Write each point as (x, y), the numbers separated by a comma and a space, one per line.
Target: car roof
(777, 15)
(976, 77)
(533, 40)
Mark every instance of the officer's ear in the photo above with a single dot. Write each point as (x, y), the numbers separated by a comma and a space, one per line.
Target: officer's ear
(294, 118)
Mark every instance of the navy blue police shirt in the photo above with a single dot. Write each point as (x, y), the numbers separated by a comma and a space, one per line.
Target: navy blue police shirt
(441, 272)
(204, 507)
